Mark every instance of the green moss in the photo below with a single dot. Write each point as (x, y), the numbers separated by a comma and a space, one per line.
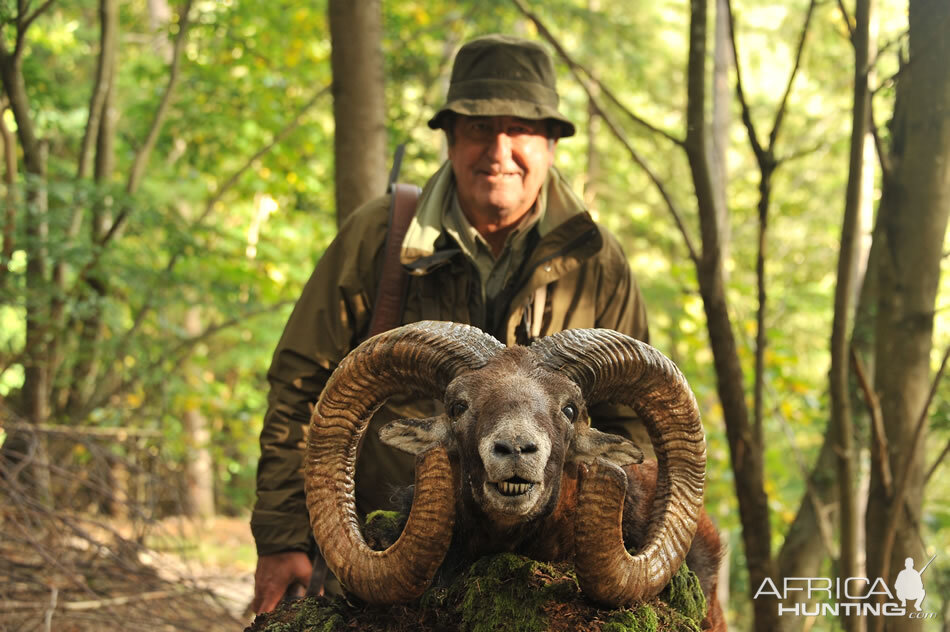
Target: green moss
(497, 593)
(305, 615)
(384, 519)
(680, 607)
(382, 528)
(502, 592)
(643, 619)
(685, 595)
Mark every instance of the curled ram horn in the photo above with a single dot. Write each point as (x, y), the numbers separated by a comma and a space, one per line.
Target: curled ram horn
(419, 359)
(612, 367)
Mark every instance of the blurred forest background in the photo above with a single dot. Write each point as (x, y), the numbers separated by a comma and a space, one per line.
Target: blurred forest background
(777, 172)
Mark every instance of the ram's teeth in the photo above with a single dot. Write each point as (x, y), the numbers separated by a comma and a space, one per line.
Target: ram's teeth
(514, 489)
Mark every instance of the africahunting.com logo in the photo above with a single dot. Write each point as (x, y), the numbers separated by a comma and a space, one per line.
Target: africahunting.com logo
(851, 596)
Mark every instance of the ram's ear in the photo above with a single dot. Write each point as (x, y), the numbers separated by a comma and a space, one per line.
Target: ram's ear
(415, 436)
(589, 444)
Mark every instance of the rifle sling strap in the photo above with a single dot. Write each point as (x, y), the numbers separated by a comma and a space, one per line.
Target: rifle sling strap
(393, 278)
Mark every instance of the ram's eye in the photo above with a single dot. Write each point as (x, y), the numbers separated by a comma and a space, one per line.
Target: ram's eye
(570, 411)
(456, 409)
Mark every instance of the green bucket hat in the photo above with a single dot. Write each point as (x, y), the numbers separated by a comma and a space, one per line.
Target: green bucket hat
(499, 75)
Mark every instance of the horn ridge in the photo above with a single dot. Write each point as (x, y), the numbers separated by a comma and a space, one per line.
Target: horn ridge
(612, 367)
(420, 360)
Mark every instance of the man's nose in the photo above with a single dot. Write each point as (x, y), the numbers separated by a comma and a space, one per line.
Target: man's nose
(500, 148)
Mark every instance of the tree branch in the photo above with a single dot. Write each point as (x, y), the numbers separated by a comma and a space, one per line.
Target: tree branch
(84, 431)
(879, 148)
(740, 93)
(228, 184)
(27, 21)
(142, 156)
(11, 73)
(100, 89)
(800, 153)
(283, 133)
(936, 463)
(576, 69)
(780, 113)
(825, 528)
(847, 19)
(879, 450)
(919, 428)
(177, 353)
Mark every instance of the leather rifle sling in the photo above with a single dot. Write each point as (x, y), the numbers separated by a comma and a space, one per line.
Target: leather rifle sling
(393, 278)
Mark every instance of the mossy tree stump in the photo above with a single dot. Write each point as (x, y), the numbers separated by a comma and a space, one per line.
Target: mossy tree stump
(499, 593)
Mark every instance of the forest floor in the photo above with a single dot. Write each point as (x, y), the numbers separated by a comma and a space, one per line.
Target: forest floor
(68, 573)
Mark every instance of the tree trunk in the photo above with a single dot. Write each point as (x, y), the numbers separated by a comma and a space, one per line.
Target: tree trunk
(36, 378)
(719, 130)
(359, 103)
(36, 375)
(100, 133)
(745, 451)
(846, 455)
(199, 465)
(909, 274)
(9, 198)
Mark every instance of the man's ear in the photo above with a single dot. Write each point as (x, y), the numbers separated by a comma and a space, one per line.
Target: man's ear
(590, 443)
(415, 436)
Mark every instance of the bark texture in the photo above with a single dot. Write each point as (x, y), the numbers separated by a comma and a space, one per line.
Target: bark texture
(359, 103)
(913, 237)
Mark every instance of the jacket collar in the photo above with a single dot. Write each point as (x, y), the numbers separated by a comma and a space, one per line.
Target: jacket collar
(564, 224)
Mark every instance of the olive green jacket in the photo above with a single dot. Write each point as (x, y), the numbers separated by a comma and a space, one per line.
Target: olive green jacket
(587, 283)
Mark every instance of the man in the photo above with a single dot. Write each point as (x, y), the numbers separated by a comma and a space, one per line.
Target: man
(498, 241)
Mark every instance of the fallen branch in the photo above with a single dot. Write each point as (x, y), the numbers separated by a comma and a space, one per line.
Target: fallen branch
(93, 604)
(82, 431)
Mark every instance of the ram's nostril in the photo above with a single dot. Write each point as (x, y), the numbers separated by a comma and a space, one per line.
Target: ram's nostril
(529, 448)
(503, 448)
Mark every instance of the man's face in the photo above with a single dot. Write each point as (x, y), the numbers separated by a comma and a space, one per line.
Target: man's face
(500, 163)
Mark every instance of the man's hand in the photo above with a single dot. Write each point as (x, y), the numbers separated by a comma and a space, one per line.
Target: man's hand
(275, 574)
